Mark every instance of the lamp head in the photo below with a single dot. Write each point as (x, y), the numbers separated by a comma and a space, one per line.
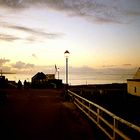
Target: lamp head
(66, 53)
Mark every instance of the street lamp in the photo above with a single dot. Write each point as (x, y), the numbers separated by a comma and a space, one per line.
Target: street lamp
(66, 53)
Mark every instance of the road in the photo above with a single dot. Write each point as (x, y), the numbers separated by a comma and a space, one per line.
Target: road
(42, 115)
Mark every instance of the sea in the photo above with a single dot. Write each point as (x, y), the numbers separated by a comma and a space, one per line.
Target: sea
(79, 79)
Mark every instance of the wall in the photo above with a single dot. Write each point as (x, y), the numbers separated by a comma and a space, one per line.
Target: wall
(133, 87)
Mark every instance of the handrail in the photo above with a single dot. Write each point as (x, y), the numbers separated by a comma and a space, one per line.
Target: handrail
(113, 126)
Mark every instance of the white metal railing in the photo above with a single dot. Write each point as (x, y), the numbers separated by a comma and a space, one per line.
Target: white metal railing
(113, 126)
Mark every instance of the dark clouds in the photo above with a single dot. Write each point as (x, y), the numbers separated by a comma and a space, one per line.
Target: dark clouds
(106, 11)
(92, 10)
(13, 3)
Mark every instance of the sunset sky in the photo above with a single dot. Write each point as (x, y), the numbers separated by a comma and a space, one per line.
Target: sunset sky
(98, 34)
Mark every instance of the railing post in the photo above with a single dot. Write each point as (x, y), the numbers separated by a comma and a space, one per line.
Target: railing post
(114, 121)
(115, 125)
(98, 115)
(89, 109)
(81, 92)
(83, 103)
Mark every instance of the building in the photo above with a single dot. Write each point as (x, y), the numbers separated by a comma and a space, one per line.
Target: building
(41, 80)
(133, 85)
(50, 76)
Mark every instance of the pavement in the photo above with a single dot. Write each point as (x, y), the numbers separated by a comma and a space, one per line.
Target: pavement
(38, 114)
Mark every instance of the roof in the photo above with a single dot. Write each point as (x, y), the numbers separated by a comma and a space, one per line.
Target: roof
(137, 74)
(135, 80)
(39, 75)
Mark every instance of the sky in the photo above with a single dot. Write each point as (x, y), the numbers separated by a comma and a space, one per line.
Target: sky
(99, 34)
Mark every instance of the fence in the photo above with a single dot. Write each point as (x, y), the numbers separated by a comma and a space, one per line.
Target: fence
(113, 126)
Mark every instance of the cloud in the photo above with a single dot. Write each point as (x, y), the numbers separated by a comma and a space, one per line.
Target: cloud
(118, 66)
(33, 31)
(133, 13)
(83, 69)
(3, 61)
(127, 64)
(6, 69)
(7, 37)
(100, 11)
(34, 55)
(92, 10)
(108, 11)
(33, 34)
(22, 65)
(13, 3)
(11, 38)
(86, 71)
(108, 66)
(31, 39)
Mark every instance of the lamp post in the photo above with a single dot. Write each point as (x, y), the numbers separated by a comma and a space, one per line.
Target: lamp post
(66, 53)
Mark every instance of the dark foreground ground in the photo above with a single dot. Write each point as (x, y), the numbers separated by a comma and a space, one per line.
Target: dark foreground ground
(42, 115)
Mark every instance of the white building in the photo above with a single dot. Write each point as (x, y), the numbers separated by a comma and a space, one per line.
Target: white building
(133, 85)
